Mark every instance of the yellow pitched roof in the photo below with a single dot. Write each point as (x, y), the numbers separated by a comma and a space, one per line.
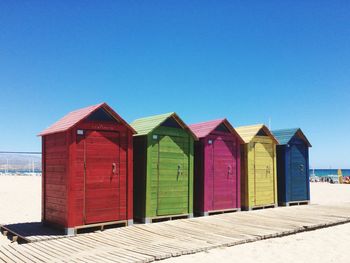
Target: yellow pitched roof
(249, 132)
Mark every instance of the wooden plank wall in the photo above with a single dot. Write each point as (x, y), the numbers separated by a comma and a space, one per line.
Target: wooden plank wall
(199, 186)
(152, 159)
(140, 167)
(56, 178)
(76, 193)
(289, 178)
(260, 192)
(218, 157)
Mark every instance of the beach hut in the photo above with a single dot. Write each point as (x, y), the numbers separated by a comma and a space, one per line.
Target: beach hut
(163, 168)
(87, 170)
(258, 164)
(292, 166)
(217, 168)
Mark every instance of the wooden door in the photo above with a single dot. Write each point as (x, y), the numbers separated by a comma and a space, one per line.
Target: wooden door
(173, 176)
(298, 172)
(264, 173)
(102, 177)
(224, 174)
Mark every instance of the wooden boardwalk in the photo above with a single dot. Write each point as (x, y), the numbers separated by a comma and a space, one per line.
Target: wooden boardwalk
(147, 243)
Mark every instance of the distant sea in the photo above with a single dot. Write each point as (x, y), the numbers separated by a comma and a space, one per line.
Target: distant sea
(326, 172)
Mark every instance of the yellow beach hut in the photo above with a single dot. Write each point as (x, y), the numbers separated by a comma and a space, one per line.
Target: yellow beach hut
(258, 164)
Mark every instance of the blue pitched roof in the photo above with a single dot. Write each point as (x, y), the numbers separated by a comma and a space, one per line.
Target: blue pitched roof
(285, 135)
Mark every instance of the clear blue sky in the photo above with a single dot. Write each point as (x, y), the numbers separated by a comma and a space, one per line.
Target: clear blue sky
(244, 60)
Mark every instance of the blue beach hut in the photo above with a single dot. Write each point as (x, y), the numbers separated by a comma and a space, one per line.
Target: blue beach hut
(292, 167)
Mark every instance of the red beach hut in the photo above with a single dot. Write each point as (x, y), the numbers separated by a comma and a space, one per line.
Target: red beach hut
(87, 170)
(217, 167)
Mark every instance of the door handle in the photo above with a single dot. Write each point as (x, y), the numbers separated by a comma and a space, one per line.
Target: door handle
(114, 168)
(179, 172)
(229, 168)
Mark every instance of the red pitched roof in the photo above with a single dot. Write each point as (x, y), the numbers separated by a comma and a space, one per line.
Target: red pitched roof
(74, 117)
(203, 129)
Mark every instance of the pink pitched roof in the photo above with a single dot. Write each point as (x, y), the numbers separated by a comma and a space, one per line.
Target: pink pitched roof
(203, 129)
(74, 117)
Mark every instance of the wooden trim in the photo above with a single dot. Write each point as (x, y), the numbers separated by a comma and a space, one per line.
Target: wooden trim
(158, 173)
(274, 174)
(254, 174)
(129, 181)
(238, 175)
(101, 224)
(148, 204)
(190, 175)
(43, 178)
(70, 170)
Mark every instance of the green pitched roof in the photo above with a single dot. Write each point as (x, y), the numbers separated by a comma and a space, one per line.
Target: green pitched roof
(285, 135)
(144, 126)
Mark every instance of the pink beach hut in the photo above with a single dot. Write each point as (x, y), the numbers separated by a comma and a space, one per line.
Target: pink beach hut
(217, 168)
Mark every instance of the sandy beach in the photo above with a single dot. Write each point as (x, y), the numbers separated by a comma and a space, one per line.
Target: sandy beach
(20, 201)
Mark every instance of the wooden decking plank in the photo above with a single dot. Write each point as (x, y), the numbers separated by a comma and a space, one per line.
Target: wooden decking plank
(146, 249)
(18, 252)
(37, 253)
(116, 247)
(190, 235)
(222, 232)
(71, 244)
(188, 244)
(6, 256)
(202, 231)
(28, 253)
(151, 240)
(118, 258)
(99, 257)
(194, 244)
(263, 225)
(131, 256)
(53, 245)
(194, 235)
(127, 246)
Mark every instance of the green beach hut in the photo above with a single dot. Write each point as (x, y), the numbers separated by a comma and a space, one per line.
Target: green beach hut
(163, 168)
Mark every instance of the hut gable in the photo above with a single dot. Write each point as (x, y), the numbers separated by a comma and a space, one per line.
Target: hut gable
(100, 111)
(203, 129)
(146, 125)
(247, 133)
(284, 136)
